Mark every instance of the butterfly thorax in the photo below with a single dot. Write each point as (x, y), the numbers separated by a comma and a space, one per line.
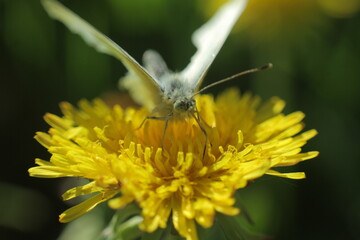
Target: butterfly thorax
(177, 96)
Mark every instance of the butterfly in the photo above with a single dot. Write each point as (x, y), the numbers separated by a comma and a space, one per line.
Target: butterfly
(167, 95)
(154, 85)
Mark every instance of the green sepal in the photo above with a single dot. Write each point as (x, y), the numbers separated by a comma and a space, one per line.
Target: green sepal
(129, 229)
(168, 233)
(244, 213)
(156, 235)
(234, 228)
(124, 225)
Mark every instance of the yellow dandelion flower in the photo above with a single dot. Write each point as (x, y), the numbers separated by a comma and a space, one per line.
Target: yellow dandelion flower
(171, 179)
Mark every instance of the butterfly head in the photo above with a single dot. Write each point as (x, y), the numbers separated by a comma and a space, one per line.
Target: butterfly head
(184, 105)
(178, 95)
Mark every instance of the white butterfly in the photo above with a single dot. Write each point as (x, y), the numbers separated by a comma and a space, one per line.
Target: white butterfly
(163, 92)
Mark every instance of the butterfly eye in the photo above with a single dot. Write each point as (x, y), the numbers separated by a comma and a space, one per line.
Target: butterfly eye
(184, 105)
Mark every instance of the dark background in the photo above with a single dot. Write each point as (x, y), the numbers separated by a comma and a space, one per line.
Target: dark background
(313, 44)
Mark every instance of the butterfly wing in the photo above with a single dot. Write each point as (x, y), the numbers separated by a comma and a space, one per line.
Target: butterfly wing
(156, 67)
(103, 44)
(209, 39)
(155, 64)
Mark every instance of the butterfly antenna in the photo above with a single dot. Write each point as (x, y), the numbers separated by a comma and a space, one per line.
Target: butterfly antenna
(253, 70)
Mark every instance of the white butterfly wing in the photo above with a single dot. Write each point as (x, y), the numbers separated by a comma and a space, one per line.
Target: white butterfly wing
(155, 64)
(139, 90)
(103, 44)
(209, 39)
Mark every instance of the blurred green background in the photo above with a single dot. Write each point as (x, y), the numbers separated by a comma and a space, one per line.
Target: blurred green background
(313, 44)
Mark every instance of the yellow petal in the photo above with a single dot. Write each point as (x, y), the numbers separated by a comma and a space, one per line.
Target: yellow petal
(85, 206)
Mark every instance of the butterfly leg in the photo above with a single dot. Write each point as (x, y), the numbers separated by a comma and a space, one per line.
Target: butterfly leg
(150, 117)
(166, 118)
(163, 135)
(198, 120)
